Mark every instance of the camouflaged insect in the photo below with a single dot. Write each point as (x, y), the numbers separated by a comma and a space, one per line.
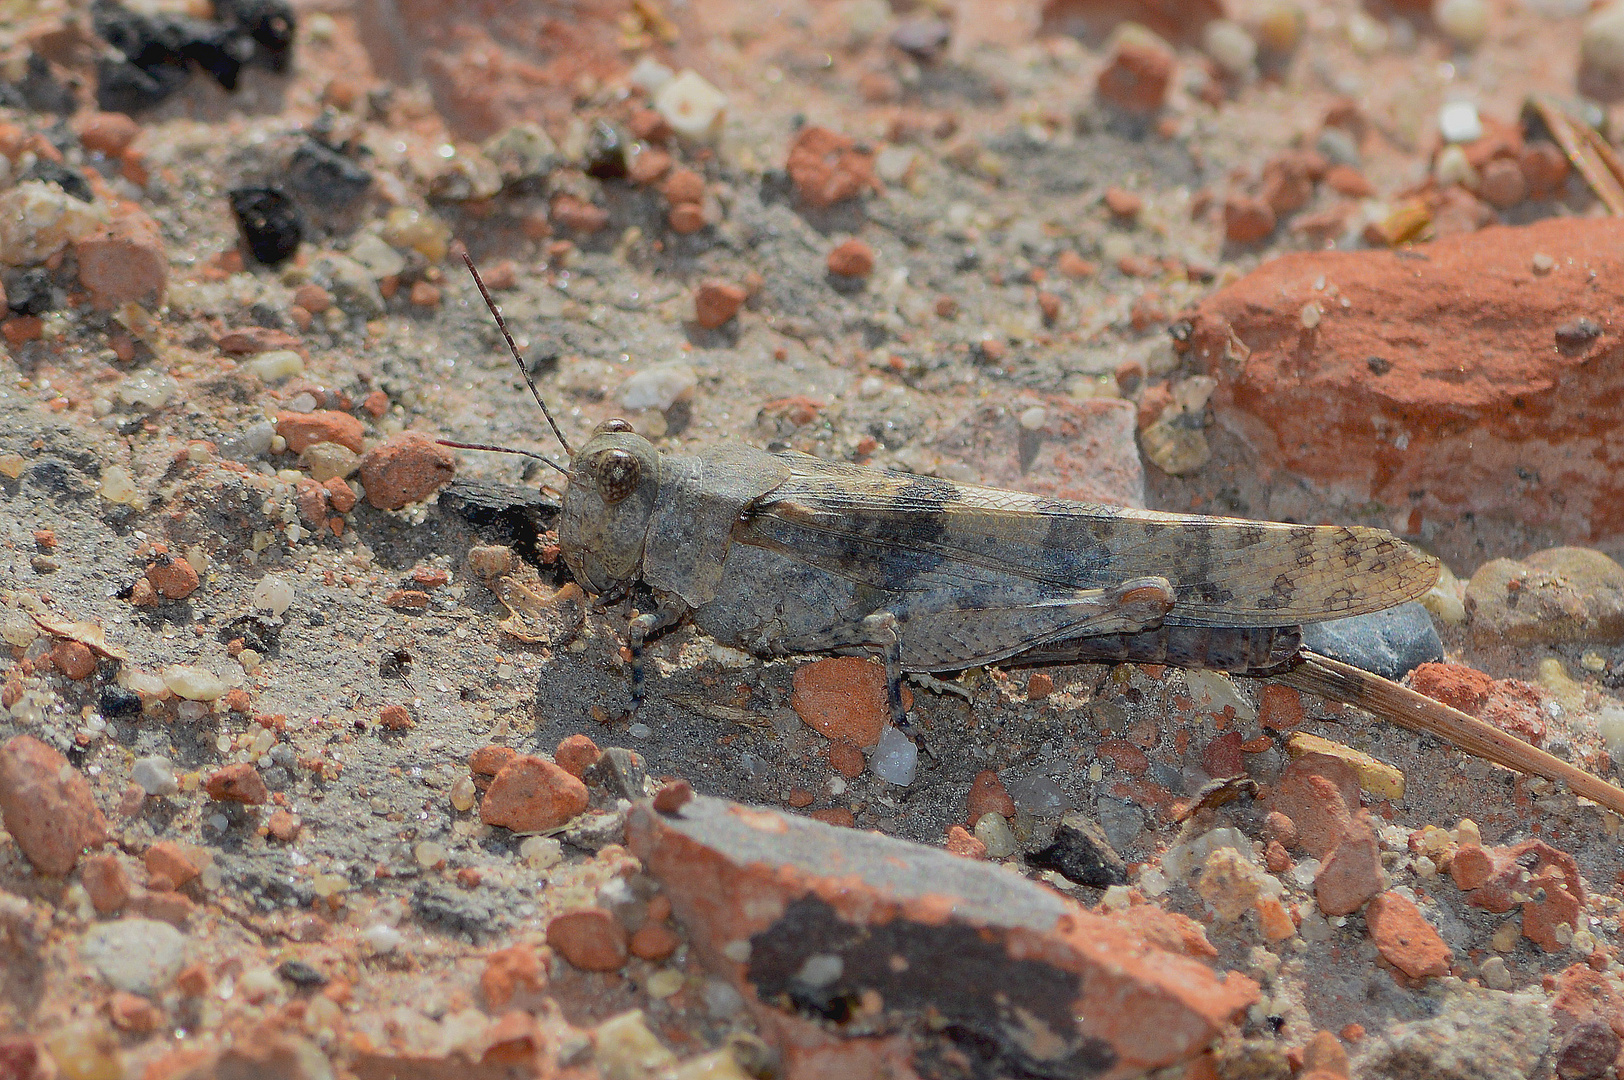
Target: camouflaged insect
(781, 553)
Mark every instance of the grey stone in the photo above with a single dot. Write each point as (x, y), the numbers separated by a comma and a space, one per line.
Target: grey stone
(619, 773)
(351, 285)
(249, 444)
(1475, 1035)
(1390, 643)
(1121, 821)
(141, 956)
(1557, 595)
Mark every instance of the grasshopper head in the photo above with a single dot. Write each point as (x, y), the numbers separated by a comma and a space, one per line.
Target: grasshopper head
(608, 506)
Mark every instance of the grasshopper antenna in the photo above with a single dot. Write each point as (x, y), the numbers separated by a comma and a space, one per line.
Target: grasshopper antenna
(503, 450)
(524, 369)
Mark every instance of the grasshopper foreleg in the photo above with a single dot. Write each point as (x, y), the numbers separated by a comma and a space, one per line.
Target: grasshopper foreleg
(643, 626)
(882, 629)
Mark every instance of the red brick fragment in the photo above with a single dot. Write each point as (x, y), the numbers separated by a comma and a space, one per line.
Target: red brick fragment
(531, 794)
(988, 796)
(47, 805)
(589, 938)
(237, 783)
(576, 754)
(1405, 939)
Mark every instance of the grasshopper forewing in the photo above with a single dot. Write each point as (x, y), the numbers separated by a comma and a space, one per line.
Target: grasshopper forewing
(784, 553)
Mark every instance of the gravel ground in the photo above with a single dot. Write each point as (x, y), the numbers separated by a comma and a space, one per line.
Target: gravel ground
(1008, 313)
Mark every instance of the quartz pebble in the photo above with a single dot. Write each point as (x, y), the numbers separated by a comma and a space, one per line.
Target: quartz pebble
(38, 220)
(1459, 122)
(155, 775)
(276, 365)
(658, 386)
(896, 758)
(195, 683)
(994, 831)
(541, 852)
(327, 460)
(692, 106)
(626, 1048)
(273, 594)
(118, 486)
(1601, 52)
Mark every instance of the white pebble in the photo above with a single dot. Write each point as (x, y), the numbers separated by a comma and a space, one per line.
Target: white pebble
(896, 758)
(665, 982)
(1367, 35)
(147, 389)
(1459, 122)
(192, 711)
(870, 388)
(118, 486)
(995, 832)
(541, 852)
(1541, 263)
(1465, 21)
(692, 106)
(1213, 690)
(1228, 43)
(1035, 418)
(1495, 974)
(1191, 395)
(154, 775)
(429, 854)
(194, 683)
(820, 970)
(38, 219)
(1310, 316)
(273, 594)
(658, 386)
(276, 365)
(1610, 726)
(382, 937)
(721, 1000)
(649, 75)
(893, 163)
(1452, 167)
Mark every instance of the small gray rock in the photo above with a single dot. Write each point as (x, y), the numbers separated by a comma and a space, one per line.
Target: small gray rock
(141, 956)
(1476, 1035)
(155, 775)
(351, 285)
(1553, 596)
(619, 773)
(1121, 821)
(1081, 852)
(1390, 643)
(249, 444)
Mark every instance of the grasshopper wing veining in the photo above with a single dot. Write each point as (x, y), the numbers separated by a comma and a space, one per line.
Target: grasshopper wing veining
(903, 533)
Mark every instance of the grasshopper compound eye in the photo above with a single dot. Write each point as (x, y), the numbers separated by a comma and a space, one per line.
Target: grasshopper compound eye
(612, 425)
(618, 474)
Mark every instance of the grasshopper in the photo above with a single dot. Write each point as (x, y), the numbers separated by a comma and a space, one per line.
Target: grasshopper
(784, 553)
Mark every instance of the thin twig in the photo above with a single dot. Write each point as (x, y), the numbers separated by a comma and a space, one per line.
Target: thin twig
(1405, 707)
